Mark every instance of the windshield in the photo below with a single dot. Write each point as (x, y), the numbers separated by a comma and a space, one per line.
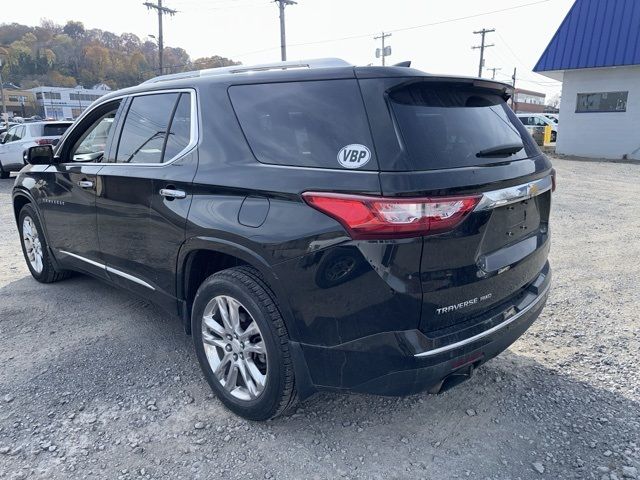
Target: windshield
(447, 126)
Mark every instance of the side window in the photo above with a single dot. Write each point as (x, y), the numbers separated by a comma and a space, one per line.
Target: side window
(18, 134)
(91, 145)
(144, 133)
(308, 124)
(525, 120)
(10, 134)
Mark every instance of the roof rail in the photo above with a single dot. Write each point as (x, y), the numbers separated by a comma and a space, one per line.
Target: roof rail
(235, 69)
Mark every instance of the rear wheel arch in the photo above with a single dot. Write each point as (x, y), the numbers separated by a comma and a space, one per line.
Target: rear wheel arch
(201, 258)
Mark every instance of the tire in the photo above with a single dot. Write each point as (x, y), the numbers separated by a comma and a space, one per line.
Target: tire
(43, 271)
(3, 173)
(243, 290)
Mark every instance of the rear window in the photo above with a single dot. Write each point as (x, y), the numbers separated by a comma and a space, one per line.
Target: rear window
(308, 124)
(54, 129)
(447, 126)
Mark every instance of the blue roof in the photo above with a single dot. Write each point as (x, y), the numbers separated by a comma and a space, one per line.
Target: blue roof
(595, 33)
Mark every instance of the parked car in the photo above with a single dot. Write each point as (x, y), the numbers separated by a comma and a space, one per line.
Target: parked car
(554, 117)
(20, 137)
(315, 225)
(533, 120)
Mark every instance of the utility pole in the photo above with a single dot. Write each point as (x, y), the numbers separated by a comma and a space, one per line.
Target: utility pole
(513, 83)
(161, 11)
(4, 105)
(5, 117)
(482, 46)
(493, 72)
(283, 38)
(384, 51)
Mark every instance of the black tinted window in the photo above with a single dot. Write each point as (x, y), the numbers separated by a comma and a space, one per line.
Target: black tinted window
(309, 124)
(145, 128)
(180, 130)
(54, 129)
(447, 126)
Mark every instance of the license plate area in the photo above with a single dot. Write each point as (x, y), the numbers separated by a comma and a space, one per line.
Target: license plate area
(511, 223)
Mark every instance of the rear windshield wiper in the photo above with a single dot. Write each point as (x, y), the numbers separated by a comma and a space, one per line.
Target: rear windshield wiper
(501, 150)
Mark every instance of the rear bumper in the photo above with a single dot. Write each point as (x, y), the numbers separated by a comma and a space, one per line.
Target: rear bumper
(407, 362)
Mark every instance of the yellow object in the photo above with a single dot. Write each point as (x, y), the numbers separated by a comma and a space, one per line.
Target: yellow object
(547, 135)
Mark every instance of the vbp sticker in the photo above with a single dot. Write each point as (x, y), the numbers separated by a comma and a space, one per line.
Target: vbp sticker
(354, 156)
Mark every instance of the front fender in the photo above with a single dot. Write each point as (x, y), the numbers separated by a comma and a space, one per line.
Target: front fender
(21, 192)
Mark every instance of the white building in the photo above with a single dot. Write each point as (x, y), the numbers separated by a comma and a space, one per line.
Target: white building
(596, 55)
(66, 103)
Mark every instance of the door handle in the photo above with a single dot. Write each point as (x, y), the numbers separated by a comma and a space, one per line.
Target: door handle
(171, 193)
(85, 183)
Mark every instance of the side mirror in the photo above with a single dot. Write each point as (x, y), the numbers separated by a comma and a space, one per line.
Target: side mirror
(39, 155)
(3, 136)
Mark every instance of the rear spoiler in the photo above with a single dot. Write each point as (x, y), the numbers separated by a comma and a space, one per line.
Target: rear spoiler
(505, 90)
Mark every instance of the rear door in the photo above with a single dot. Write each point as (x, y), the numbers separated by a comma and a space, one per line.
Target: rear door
(445, 137)
(144, 193)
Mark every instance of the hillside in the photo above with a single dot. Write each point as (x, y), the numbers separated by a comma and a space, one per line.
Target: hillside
(70, 55)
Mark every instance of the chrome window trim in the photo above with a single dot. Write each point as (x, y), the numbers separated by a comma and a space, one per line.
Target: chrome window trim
(115, 271)
(193, 137)
(493, 329)
(507, 196)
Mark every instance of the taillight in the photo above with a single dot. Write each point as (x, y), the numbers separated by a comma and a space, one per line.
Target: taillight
(379, 217)
(44, 141)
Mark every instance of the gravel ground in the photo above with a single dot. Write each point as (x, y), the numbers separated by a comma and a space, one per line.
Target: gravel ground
(96, 383)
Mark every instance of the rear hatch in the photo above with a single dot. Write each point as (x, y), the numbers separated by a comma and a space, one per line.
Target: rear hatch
(438, 137)
(49, 133)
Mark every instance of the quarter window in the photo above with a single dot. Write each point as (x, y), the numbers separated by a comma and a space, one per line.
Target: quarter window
(154, 129)
(303, 123)
(180, 131)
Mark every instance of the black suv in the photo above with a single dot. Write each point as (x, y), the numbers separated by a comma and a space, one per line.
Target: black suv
(317, 226)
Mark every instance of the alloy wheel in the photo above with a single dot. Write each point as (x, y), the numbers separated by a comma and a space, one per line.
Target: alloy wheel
(234, 347)
(32, 244)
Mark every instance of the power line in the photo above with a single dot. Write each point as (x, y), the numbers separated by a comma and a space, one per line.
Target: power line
(401, 29)
(161, 12)
(200, 7)
(482, 46)
(365, 35)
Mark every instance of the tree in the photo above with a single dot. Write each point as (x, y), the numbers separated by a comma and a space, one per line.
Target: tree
(65, 56)
(74, 29)
(213, 62)
(554, 100)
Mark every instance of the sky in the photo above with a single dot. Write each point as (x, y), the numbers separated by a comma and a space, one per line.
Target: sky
(435, 35)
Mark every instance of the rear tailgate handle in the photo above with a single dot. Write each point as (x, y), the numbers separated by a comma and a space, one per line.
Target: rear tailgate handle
(171, 193)
(85, 183)
(507, 196)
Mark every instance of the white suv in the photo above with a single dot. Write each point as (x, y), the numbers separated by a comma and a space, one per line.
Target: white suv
(19, 138)
(531, 120)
